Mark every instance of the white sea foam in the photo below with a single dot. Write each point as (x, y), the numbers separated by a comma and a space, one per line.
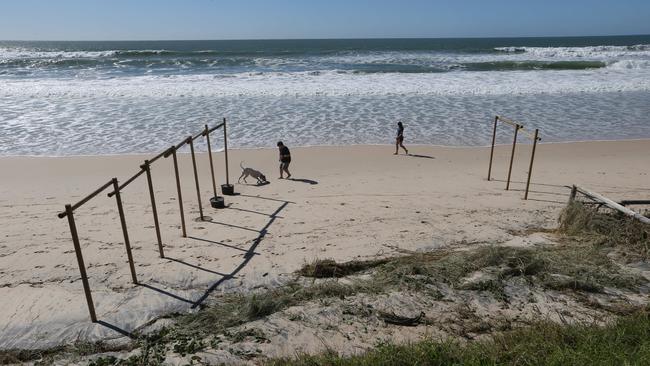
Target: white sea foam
(621, 76)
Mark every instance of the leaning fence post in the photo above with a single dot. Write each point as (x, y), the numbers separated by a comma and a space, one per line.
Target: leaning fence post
(207, 136)
(532, 158)
(494, 135)
(120, 210)
(147, 169)
(512, 155)
(574, 191)
(225, 149)
(80, 261)
(196, 175)
(178, 189)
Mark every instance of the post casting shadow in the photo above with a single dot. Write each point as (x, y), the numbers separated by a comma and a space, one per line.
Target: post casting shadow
(115, 328)
(247, 256)
(302, 180)
(219, 243)
(231, 225)
(266, 198)
(532, 183)
(250, 211)
(196, 267)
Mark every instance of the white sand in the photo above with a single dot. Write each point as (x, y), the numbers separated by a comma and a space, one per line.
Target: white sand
(366, 203)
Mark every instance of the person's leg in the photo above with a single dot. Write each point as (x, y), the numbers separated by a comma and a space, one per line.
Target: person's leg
(401, 143)
(396, 146)
(286, 169)
(281, 164)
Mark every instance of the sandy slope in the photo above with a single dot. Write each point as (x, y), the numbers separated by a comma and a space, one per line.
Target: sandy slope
(347, 202)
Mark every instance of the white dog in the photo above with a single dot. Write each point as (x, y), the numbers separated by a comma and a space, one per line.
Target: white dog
(261, 178)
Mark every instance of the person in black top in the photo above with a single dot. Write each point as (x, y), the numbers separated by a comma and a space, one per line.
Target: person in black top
(399, 141)
(285, 159)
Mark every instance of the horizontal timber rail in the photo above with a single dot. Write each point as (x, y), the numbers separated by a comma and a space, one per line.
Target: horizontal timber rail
(86, 199)
(607, 202)
(166, 154)
(510, 122)
(213, 128)
(139, 173)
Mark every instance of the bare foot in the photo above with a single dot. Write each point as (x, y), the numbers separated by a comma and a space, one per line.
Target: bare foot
(394, 153)
(281, 178)
(289, 176)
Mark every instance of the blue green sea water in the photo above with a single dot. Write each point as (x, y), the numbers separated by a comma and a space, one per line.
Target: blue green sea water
(71, 98)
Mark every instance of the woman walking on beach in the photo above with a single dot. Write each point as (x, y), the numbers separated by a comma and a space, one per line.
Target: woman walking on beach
(399, 140)
(285, 159)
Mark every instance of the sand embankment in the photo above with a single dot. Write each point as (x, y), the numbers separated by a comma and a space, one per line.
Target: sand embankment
(346, 203)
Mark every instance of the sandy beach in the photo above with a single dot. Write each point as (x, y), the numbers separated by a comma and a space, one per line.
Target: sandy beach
(353, 202)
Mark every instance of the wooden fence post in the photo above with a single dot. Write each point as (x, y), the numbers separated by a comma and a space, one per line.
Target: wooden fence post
(494, 135)
(532, 158)
(574, 191)
(512, 156)
(196, 176)
(120, 210)
(80, 261)
(207, 136)
(225, 150)
(180, 193)
(147, 169)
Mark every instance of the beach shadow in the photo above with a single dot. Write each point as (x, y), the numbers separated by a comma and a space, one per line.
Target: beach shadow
(420, 156)
(231, 225)
(219, 243)
(251, 211)
(115, 328)
(196, 267)
(301, 180)
(547, 201)
(538, 192)
(167, 293)
(266, 198)
(532, 183)
(250, 253)
(255, 184)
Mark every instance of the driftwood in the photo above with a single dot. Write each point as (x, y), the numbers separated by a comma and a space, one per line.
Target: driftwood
(391, 318)
(607, 202)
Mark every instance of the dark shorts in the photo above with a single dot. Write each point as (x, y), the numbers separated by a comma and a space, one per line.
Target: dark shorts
(400, 139)
(285, 164)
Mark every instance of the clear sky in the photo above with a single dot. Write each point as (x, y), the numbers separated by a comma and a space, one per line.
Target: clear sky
(262, 19)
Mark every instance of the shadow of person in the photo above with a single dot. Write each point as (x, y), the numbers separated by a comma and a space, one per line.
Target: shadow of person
(421, 156)
(309, 181)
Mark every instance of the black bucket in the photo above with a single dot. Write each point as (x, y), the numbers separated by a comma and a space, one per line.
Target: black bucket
(217, 202)
(228, 189)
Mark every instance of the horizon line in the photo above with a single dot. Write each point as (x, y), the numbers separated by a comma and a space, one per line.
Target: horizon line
(316, 39)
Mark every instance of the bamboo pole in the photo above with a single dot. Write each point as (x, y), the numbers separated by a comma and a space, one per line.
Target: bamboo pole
(225, 149)
(147, 169)
(214, 184)
(532, 159)
(494, 136)
(86, 199)
(180, 194)
(80, 261)
(512, 156)
(196, 176)
(127, 244)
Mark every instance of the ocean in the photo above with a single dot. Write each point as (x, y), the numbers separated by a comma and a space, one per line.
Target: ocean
(88, 98)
